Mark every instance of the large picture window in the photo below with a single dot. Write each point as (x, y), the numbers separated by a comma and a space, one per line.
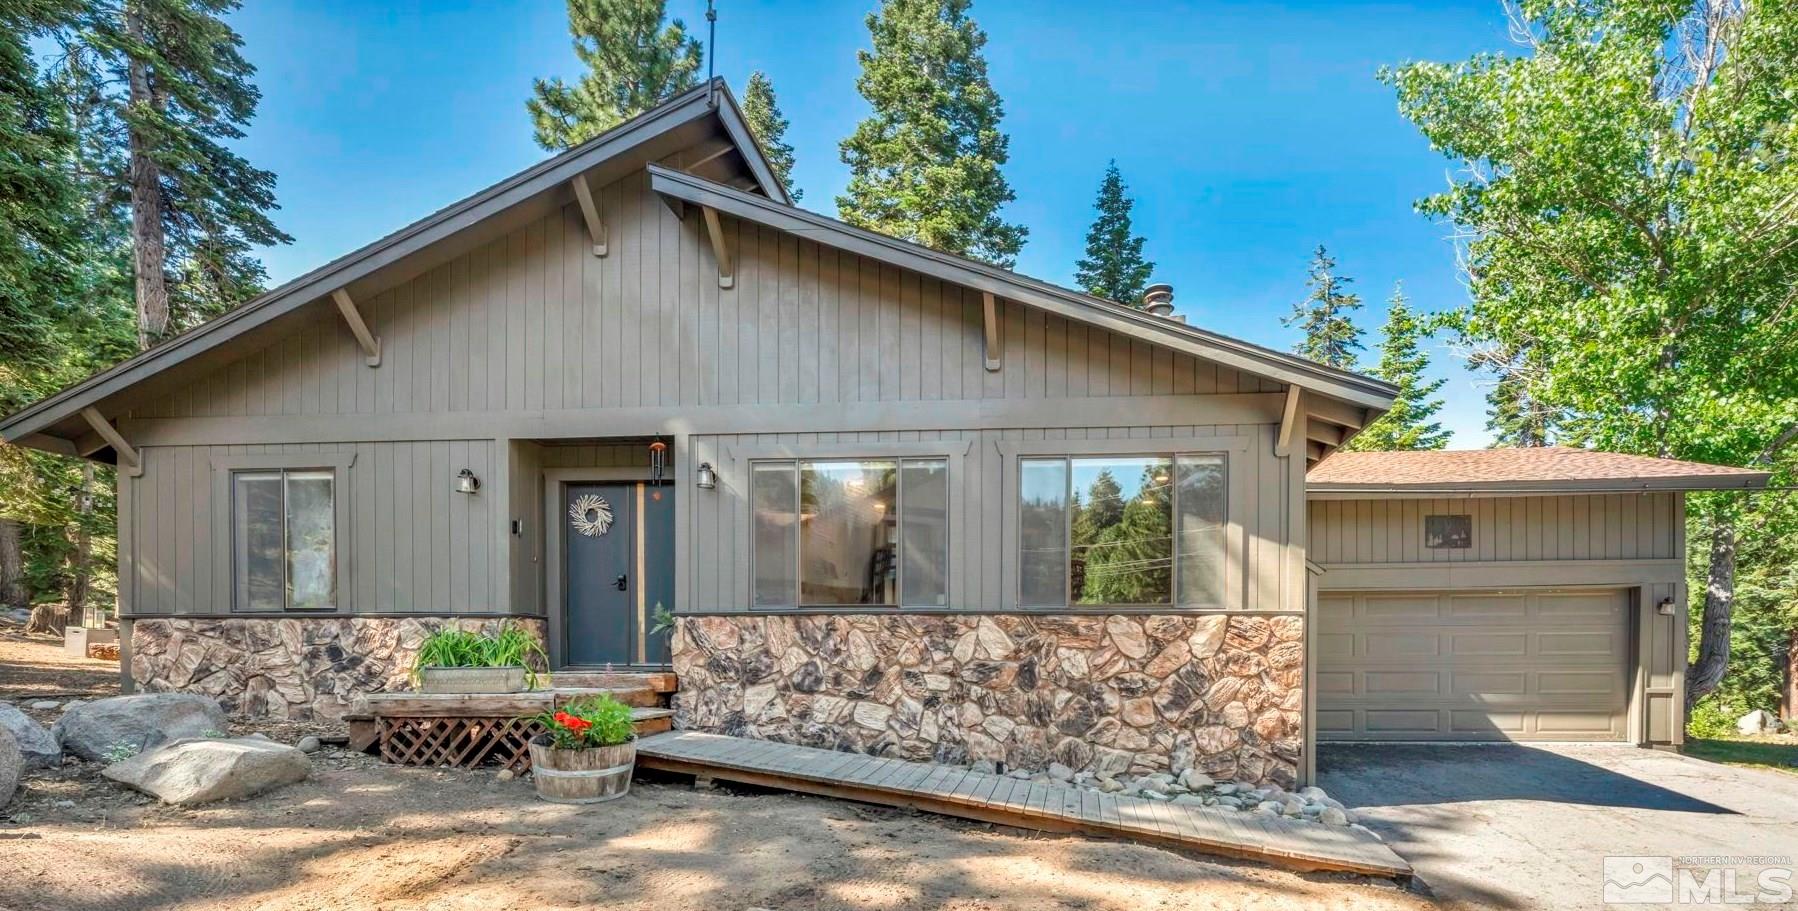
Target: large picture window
(1122, 530)
(850, 532)
(284, 539)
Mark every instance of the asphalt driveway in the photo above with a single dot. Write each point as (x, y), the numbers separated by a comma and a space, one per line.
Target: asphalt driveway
(1511, 826)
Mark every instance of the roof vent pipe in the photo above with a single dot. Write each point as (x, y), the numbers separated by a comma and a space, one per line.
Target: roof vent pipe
(1159, 300)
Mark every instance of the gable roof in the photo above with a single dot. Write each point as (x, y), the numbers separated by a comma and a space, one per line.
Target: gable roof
(1361, 391)
(1547, 469)
(705, 113)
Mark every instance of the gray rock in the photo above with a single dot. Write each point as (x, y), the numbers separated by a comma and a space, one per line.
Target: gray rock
(1312, 793)
(12, 765)
(46, 705)
(1332, 803)
(1020, 774)
(1292, 806)
(1060, 772)
(308, 744)
(1268, 808)
(1153, 794)
(1190, 800)
(1313, 809)
(203, 770)
(1228, 787)
(1231, 801)
(1110, 785)
(1759, 721)
(505, 775)
(1195, 780)
(37, 745)
(984, 767)
(1333, 817)
(92, 729)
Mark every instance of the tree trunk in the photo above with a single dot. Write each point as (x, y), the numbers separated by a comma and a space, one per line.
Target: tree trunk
(1719, 604)
(147, 240)
(80, 571)
(12, 566)
(1788, 697)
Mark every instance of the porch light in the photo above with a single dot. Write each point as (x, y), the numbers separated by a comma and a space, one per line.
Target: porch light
(707, 477)
(1665, 607)
(466, 482)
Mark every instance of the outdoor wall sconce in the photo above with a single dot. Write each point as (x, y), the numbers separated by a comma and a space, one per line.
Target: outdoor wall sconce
(707, 476)
(1665, 607)
(466, 482)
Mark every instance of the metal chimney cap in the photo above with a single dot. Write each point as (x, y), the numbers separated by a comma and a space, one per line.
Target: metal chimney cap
(1158, 299)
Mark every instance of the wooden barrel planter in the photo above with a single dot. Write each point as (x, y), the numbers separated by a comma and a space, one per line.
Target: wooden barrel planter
(582, 776)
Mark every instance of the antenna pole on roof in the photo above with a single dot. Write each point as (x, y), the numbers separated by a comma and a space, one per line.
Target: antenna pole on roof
(711, 51)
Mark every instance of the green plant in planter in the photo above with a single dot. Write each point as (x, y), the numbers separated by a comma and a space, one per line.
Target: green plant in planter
(511, 646)
(600, 721)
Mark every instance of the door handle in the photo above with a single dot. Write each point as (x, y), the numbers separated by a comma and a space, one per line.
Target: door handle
(622, 582)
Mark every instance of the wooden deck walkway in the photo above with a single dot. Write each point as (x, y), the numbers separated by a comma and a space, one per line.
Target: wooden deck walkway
(955, 791)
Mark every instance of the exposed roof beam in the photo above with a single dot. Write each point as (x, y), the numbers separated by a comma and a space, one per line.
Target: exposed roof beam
(1315, 451)
(1337, 412)
(128, 457)
(720, 247)
(371, 345)
(995, 343)
(1289, 416)
(1325, 434)
(688, 159)
(596, 229)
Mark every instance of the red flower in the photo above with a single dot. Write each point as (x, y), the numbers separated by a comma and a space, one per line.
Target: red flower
(572, 723)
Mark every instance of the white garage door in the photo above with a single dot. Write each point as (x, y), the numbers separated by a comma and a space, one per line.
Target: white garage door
(1454, 665)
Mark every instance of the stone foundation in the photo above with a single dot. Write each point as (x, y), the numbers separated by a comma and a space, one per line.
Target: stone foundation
(296, 668)
(1106, 694)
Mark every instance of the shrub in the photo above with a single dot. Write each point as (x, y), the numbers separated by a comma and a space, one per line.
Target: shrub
(511, 646)
(597, 722)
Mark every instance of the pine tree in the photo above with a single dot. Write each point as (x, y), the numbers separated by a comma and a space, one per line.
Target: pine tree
(198, 209)
(1513, 414)
(1402, 363)
(1114, 267)
(924, 166)
(1331, 336)
(770, 128)
(633, 61)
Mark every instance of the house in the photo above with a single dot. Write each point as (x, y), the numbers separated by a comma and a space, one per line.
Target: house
(895, 500)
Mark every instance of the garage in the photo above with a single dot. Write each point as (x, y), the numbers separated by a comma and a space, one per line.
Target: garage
(1473, 665)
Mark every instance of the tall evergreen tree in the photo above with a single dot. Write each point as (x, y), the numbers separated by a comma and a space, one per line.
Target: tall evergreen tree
(1331, 336)
(1114, 267)
(1402, 363)
(770, 128)
(198, 209)
(633, 61)
(924, 166)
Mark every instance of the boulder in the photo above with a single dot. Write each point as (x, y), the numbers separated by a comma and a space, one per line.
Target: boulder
(1333, 817)
(36, 744)
(206, 769)
(1759, 721)
(12, 765)
(136, 723)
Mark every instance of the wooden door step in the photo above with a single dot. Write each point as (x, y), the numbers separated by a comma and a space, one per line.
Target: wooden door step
(654, 681)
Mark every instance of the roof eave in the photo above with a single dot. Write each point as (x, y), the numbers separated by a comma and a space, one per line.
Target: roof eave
(1734, 481)
(1362, 391)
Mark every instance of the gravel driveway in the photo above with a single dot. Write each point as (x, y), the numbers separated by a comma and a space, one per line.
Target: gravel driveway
(1511, 826)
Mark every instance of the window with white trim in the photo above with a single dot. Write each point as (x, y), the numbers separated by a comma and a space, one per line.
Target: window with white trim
(842, 532)
(1122, 530)
(284, 539)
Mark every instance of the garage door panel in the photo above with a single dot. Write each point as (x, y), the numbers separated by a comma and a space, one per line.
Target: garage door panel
(1473, 666)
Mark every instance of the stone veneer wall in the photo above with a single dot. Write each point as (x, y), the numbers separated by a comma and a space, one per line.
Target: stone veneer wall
(1107, 694)
(296, 668)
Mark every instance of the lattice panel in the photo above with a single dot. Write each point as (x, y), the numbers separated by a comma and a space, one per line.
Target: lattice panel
(463, 743)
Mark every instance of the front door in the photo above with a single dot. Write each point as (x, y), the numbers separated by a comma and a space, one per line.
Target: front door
(620, 568)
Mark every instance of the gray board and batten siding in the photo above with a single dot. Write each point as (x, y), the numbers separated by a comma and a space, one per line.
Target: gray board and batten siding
(530, 340)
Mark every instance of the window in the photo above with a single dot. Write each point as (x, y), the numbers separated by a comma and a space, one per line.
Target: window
(1122, 530)
(850, 531)
(1448, 532)
(284, 539)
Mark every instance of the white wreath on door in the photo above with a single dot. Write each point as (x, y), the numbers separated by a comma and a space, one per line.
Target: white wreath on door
(591, 515)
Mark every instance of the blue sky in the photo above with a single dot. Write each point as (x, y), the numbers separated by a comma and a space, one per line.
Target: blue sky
(1248, 133)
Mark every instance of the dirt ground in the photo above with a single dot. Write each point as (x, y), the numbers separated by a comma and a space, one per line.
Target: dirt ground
(361, 834)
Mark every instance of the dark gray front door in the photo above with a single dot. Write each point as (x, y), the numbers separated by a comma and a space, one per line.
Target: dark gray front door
(602, 583)
(620, 569)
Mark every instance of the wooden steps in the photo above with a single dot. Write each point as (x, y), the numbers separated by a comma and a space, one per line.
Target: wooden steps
(955, 791)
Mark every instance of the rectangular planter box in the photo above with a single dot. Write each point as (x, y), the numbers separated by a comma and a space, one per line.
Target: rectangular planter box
(76, 639)
(471, 680)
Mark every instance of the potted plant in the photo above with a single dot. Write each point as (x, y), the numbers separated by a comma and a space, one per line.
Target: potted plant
(458, 661)
(587, 753)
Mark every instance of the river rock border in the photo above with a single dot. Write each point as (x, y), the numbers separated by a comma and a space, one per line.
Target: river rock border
(293, 668)
(1103, 695)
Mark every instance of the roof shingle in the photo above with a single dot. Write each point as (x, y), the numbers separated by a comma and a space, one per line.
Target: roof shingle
(1543, 468)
